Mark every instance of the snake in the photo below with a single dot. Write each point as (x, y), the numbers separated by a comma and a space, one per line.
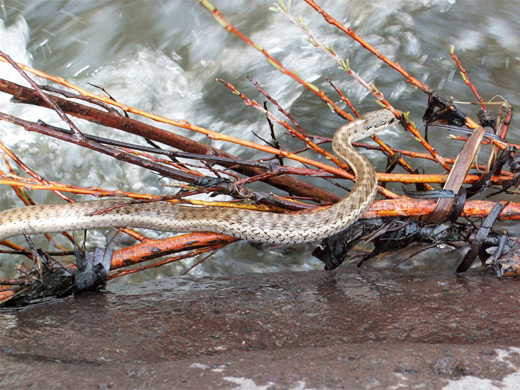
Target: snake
(260, 226)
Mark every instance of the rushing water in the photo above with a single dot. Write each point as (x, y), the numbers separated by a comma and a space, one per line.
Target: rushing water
(163, 56)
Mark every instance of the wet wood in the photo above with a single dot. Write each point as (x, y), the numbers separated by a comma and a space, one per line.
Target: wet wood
(457, 175)
(289, 184)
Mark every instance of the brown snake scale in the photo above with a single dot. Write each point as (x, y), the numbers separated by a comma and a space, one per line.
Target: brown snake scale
(244, 224)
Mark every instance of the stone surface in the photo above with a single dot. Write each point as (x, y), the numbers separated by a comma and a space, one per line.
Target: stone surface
(318, 329)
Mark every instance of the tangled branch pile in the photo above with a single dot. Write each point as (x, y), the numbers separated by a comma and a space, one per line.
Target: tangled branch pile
(395, 220)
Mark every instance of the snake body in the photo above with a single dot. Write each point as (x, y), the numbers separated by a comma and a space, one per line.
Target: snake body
(244, 224)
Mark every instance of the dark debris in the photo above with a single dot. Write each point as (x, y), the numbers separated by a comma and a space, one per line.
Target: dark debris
(388, 235)
(50, 280)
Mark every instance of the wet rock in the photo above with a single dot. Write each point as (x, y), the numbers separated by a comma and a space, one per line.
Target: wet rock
(339, 329)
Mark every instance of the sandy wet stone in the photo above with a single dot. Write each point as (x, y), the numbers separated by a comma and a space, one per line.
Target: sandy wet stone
(341, 329)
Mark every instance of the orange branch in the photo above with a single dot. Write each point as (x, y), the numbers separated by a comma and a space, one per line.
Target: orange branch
(273, 61)
(349, 31)
(465, 77)
(408, 207)
(186, 125)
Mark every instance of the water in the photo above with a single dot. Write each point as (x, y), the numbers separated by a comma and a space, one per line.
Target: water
(164, 58)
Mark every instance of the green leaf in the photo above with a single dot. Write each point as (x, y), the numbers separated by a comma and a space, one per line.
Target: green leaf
(345, 65)
(282, 6)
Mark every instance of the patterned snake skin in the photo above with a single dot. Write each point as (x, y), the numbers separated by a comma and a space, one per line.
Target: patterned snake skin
(267, 227)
